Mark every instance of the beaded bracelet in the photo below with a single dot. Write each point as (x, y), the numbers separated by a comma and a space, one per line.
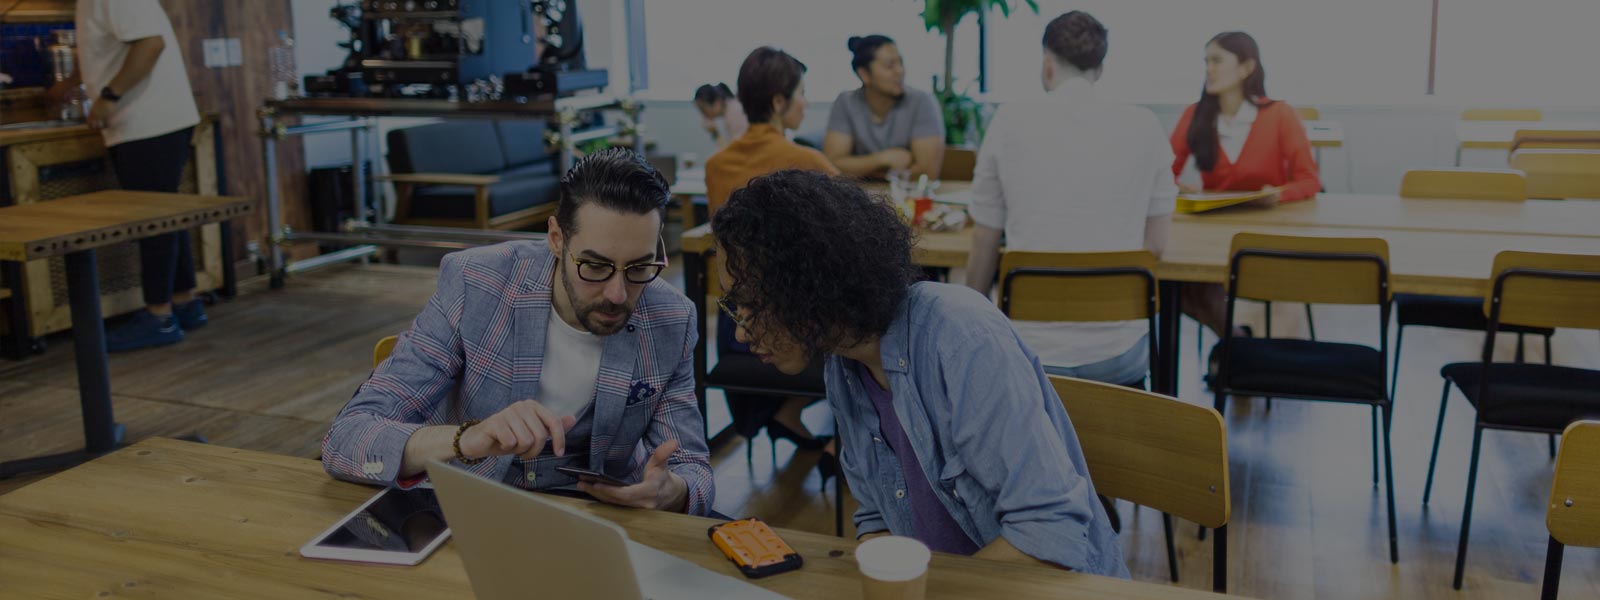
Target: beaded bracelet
(457, 445)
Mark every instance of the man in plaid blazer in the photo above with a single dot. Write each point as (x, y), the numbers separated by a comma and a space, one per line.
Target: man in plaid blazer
(532, 356)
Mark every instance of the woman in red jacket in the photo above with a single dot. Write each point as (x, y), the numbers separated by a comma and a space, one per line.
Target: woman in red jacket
(1240, 140)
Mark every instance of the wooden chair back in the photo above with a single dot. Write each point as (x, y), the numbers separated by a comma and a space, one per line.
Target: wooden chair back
(1313, 270)
(1574, 513)
(1502, 114)
(1555, 139)
(1560, 173)
(1546, 290)
(1308, 113)
(382, 351)
(959, 164)
(1466, 184)
(1078, 286)
(1151, 449)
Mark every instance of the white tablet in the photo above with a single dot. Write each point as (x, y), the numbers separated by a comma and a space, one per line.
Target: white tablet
(397, 527)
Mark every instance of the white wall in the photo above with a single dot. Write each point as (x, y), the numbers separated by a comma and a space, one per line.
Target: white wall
(1383, 141)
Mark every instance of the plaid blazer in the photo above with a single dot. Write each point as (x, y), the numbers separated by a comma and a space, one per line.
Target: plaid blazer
(478, 346)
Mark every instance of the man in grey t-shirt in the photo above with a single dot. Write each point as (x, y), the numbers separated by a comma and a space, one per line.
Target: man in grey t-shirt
(883, 125)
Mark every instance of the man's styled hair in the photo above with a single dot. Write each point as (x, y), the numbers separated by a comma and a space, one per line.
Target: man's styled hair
(615, 178)
(1078, 39)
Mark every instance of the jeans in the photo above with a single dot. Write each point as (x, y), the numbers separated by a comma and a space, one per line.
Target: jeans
(1126, 368)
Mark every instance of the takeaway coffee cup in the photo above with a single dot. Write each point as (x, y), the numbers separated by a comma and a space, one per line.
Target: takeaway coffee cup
(893, 568)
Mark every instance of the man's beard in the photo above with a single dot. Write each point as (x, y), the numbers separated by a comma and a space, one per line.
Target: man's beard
(585, 314)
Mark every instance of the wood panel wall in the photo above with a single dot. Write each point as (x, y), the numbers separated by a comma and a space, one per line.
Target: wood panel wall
(235, 94)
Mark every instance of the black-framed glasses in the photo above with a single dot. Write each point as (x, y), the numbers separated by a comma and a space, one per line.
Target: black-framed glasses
(600, 271)
(732, 311)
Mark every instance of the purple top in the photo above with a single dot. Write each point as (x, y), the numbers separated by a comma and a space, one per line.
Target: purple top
(932, 524)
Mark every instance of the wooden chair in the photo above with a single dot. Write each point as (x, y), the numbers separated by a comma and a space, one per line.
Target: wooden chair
(1086, 287)
(1560, 173)
(1494, 114)
(1533, 290)
(1308, 113)
(959, 164)
(1463, 313)
(1573, 517)
(1313, 270)
(1155, 451)
(381, 352)
(1502, 114)
(1555, 139)
(1464, 184)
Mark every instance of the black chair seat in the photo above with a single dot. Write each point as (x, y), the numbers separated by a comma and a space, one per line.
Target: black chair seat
(1450, 312)
(506, 196)
(746, 374)
(1291, 368)
(1529, 395)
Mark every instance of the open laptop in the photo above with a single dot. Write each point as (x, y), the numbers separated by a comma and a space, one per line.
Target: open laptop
(516, 544)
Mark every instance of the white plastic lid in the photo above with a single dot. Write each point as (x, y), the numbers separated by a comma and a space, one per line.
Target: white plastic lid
(893, 558)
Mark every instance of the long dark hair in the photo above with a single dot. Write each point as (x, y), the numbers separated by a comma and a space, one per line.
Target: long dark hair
(710, 94)
(1202, 135)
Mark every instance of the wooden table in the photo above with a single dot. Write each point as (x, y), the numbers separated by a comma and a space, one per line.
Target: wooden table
(1443, 247)
(74, 227)
(1498, 135)
(164, 518)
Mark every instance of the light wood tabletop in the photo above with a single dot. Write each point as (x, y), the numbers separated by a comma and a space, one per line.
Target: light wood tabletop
(1388, 211)
(1435, 246)
(58, 227)
(165, 518)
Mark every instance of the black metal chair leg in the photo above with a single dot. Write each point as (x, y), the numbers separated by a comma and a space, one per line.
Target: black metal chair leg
(1520, 354)
(1172, 550)
(1466, 509)
(1219, 561)
(1202, 534)
(838, 504)
(1374, 446)
(1438, 431)
(1552, 569)
(1552, 438)
(1311, 324)
(1394, 374)
(1547, 359)
(1388, 483)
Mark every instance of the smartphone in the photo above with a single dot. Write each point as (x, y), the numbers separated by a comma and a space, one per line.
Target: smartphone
(591, 476)
(754, 548)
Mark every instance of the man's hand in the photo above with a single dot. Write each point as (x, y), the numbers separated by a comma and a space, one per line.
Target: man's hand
(1184, 188)
(520, 429)
(895, 158)
(661, 489)
(101, 114)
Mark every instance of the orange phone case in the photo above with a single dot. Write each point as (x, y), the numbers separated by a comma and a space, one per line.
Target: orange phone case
(754, 547)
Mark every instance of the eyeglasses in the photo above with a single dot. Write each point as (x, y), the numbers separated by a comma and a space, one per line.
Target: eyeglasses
(599, 271)
(733, 312)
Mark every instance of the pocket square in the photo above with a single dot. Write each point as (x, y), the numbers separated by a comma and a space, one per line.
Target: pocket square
(640, 392)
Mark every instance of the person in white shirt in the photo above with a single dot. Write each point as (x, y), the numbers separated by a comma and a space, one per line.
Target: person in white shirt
(129, 62)
(1072, 172)
(721, 115)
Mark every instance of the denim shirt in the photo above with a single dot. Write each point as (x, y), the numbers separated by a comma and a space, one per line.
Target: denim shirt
(987, 428)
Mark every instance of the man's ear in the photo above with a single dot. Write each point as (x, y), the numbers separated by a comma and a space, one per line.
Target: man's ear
(557, 238)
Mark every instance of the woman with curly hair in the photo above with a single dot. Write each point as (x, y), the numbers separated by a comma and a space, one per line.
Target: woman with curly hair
(950, 431)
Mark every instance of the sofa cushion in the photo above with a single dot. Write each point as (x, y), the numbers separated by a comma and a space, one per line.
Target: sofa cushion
(455, 146)
(522, 141)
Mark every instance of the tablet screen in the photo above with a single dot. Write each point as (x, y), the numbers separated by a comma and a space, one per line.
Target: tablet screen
(396, 521)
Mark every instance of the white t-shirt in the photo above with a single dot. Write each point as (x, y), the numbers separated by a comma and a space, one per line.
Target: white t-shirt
(160, 104)
(571, 364)
(1071, 172)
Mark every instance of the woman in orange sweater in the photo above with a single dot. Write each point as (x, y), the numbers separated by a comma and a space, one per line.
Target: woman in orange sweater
(1239, 140)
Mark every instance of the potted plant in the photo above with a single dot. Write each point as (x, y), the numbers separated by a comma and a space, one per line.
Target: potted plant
(963, 116)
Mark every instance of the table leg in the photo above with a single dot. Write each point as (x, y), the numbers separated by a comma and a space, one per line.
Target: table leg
(230, 276)
(101, 433)
(1166, 374)
(16, 345)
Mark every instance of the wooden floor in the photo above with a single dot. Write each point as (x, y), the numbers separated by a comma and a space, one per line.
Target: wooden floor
(275, 366)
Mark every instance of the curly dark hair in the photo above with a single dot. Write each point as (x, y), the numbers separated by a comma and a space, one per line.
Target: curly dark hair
(815, 256)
